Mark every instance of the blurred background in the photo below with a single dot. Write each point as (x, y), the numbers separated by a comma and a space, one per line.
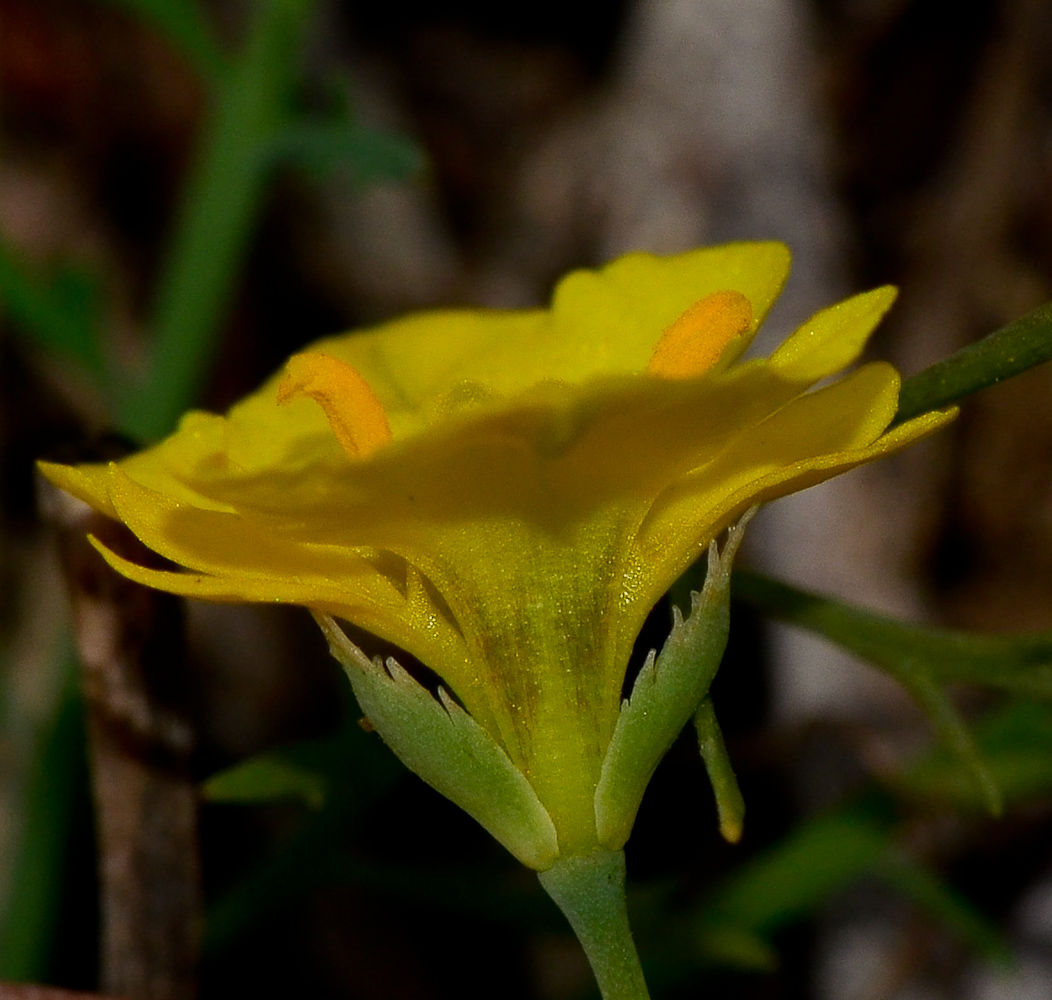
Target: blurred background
(191, 191)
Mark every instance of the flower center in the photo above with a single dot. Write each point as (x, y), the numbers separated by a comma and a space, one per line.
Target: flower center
(694, 342)
(354, 411)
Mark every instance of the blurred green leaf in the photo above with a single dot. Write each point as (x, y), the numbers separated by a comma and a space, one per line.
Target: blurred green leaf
(184, 24)
(944, 905)
(954, 734)
(1021, 664)
(223, 198)
(922, 659)
(59, 313)
(364, 155)
(267, 778)
(736, 947)
(350, 760)
(296, 866)
(36, 867)
(1009, 351)
(794, 878)
(1016, 743)
(352, 769)
(358, 770)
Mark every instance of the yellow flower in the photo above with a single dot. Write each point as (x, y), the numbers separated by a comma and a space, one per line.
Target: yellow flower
(505, 495)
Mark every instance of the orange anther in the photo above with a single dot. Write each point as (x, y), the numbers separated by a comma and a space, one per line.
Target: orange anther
(694, 342)
(355, 414)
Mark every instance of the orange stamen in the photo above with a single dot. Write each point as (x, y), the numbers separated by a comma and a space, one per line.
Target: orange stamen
(694, 342)
(354, 412)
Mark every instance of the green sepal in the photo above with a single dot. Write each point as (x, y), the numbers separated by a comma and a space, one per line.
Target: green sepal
(730, 805)
(441, 743)
(667, 692)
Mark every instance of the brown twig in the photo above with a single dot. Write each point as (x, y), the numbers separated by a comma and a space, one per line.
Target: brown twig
(130, 644)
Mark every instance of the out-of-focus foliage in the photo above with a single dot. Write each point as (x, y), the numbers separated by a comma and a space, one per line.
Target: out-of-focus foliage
(923, 660)
(251, 128)
(185, 24)
(61, 314)
(53, 790)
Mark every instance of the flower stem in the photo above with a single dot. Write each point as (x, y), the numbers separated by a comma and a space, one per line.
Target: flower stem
(590, 890)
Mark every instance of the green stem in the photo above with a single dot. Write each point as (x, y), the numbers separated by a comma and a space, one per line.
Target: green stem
(590, 890)
(1012, 349)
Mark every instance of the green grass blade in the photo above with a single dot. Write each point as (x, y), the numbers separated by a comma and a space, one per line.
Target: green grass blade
(945, 905)
(822, 856)
(1016, 743)
(954, 734)
(224, 197)
(922, 659)
(793, 878)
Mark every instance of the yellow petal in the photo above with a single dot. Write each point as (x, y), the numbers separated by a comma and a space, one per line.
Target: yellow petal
(715, 496)
(623, 307)
(89, 483)
(601, 323)
(833, 338)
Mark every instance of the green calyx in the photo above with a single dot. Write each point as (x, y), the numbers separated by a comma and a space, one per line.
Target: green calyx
(671, 689)
(442, 744)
